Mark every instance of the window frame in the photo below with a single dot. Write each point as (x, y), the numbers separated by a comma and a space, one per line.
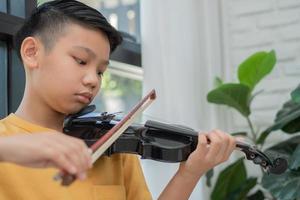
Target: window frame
(129, 52)
(14, 90)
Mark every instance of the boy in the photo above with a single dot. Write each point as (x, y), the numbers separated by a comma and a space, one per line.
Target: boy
(65, 47)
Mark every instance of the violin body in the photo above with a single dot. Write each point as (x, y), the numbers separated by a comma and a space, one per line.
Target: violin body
(148, 142)
(153, 140)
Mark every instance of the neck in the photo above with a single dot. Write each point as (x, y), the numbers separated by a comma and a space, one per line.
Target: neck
(38, 112)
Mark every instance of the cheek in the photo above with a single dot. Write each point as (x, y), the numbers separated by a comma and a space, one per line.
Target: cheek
(97, 89)
(60, 68)
(58, 79)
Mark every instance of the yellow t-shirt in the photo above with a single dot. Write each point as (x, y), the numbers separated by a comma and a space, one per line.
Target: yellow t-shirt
(117, 177)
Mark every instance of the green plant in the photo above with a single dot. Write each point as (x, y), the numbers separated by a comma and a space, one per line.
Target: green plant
(233, 182)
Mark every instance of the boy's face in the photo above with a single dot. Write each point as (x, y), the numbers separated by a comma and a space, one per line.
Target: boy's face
(69, 75)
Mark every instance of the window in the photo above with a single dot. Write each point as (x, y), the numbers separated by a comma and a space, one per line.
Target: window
(3, 6)
(17, 7)
(125, 12)
(122, 83)
(12, 14)
(3, 79)
(131, 21)
(121, 88)
(16, 81)
(13, 7)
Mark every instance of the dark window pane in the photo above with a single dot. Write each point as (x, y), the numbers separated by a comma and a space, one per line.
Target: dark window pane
(3, 79)
(3, 6)
(17, 8)
(16, 82)
(123, 15)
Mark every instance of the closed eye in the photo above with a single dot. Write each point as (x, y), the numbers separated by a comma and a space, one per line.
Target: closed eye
(79, 61)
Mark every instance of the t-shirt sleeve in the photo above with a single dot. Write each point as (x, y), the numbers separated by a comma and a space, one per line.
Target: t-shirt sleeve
(135, 184)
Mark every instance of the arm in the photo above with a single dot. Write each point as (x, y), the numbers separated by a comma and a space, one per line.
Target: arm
(213, 148)
(41, 150)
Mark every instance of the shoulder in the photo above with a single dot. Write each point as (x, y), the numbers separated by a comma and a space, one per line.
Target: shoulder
(13, 124)
(5, 126)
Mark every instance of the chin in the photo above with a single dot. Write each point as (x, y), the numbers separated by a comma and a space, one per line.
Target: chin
(74, 109)
(68, 110)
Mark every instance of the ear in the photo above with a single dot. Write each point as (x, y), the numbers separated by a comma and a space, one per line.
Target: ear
(30, 49)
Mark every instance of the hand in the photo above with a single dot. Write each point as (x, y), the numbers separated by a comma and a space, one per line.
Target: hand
(213, 148)
(41, 150)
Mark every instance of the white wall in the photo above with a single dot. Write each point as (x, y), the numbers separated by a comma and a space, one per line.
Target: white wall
(185, 44)
(180, 51)
(253, 25)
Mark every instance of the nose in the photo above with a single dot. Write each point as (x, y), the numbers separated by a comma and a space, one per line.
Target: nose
(91, 79)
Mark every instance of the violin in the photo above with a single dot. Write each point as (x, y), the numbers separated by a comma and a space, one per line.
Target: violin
(106, 140)
(154, 140)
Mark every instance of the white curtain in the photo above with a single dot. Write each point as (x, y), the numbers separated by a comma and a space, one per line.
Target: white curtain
(181, 56)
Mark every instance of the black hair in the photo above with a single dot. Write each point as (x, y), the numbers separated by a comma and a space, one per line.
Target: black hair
(48, 20)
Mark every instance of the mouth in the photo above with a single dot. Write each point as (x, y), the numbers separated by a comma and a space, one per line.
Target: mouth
(84, 98)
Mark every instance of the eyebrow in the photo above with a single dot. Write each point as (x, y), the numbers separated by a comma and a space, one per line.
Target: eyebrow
(91, 53)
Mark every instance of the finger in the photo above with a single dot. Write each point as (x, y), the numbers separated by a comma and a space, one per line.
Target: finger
(86, 153)
(224, 137)
(66, 147)
(81, 147)
(59, 160)
(231, 146)
(77, 152)
(72, 154)
(215, 146)
(89, 153)
(240, 139)
(81, 176)
(202, 144)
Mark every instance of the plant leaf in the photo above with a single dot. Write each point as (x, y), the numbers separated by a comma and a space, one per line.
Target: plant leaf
(233, 95)
(243, 190)
(287, 109)
(286, 147)
(256, 67)
(229, 180)
(258, 195)
(296, 95)
(239, 134)
(295, 159)
(287, 119)
(263, 136)
(286, 185)
(255, 95)
(218, 82)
